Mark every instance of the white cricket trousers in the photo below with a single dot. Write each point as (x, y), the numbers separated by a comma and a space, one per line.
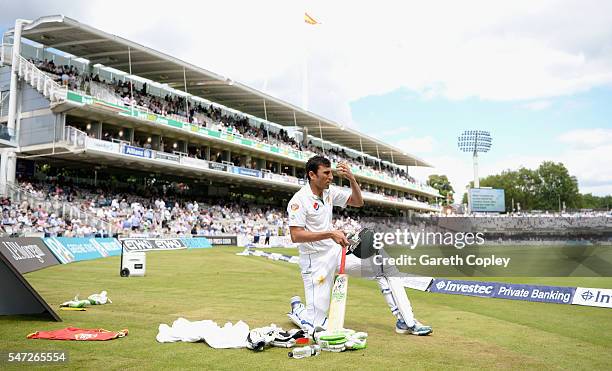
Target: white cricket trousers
(318, 271)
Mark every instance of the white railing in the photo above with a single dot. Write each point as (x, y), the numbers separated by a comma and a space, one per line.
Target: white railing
(120, 141)
(105, 93)
(75, 137)
(3, 97)
(40, 80)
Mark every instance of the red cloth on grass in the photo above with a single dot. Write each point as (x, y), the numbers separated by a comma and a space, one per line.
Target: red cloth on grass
(74, 333)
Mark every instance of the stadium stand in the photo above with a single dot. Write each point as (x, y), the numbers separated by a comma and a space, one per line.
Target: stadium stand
(125, 93)
(82, 114)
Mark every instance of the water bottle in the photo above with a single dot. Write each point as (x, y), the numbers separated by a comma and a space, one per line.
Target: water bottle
(303, 352)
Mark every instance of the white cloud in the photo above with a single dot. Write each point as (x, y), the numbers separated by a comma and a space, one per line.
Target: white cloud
(592, 167)
(416, 145)
(456, 168)
(586, 138)
(538, 105)
(521, 50)
(392, 132)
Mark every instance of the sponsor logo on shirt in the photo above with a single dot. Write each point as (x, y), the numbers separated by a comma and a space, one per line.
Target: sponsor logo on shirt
(85, 336)
(316, 205)
(294, 207)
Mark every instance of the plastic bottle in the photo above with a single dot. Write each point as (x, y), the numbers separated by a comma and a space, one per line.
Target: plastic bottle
(303, 352)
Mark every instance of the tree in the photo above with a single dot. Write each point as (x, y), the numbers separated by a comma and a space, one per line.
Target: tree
(588, 201)
(442, 184)
(555, 187)
(545, 188)
(519, 186)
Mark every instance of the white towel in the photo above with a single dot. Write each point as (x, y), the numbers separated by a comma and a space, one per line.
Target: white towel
(228, 336)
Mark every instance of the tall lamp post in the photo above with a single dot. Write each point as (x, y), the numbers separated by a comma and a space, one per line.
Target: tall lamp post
(475, 141)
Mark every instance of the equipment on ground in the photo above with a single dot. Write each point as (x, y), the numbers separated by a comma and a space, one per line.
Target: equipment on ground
(133, 264)
(303, 352)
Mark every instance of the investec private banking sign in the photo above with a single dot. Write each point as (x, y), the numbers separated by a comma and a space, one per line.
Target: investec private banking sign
(546, 294)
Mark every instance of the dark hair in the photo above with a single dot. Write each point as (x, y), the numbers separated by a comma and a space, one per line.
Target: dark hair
(314, 162)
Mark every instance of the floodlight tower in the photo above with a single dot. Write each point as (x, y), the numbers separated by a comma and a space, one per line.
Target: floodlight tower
(475, 141)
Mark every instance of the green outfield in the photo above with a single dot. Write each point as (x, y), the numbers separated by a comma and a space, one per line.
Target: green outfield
(216, 284)
(522, 260)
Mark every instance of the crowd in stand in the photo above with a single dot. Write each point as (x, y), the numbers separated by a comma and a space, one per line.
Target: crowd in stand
(126, 93)
(531, 221)
(25, 218)
(168, 211)
(338, 155)
(152, 213)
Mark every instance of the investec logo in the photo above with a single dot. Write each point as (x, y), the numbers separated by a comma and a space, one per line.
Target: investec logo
(465, 287)
(599, 297)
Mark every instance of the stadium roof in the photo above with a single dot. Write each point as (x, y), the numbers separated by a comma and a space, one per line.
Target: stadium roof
(72, 37)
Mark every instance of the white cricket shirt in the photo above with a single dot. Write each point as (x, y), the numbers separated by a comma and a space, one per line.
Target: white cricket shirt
(307, 210)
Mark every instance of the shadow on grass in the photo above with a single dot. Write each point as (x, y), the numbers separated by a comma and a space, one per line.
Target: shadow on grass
(26, 317)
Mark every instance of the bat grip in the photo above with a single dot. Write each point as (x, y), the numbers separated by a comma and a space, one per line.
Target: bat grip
(342, 260)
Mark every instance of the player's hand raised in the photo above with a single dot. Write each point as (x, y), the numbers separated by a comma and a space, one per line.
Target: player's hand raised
(344, 170)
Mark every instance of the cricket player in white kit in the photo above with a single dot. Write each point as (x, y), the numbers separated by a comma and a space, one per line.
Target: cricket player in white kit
(310, 223)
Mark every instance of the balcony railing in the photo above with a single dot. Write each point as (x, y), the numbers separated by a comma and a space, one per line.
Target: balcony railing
(75, 137)
(40, 80)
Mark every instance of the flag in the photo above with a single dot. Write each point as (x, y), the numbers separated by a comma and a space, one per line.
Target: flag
(308, 19)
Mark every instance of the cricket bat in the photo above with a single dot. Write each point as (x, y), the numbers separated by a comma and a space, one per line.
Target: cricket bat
(337, 306)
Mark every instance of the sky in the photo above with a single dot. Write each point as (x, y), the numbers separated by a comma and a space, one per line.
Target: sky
(536, 74)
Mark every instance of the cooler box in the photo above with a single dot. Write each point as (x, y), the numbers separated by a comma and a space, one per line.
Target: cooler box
(133, 264)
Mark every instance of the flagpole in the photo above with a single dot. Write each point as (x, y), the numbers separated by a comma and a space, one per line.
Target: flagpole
(305, 80)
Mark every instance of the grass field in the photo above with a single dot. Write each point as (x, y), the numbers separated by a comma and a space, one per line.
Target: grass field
(216, 284)
(524, 260)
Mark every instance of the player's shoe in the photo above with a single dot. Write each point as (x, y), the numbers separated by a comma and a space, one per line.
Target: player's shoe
(297, 311)
(418, 329)
(295, 301)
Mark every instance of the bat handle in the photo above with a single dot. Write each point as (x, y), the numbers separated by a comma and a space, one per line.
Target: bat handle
(342, 260)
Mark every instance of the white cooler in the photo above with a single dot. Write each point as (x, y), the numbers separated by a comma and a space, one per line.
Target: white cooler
(133, 264)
